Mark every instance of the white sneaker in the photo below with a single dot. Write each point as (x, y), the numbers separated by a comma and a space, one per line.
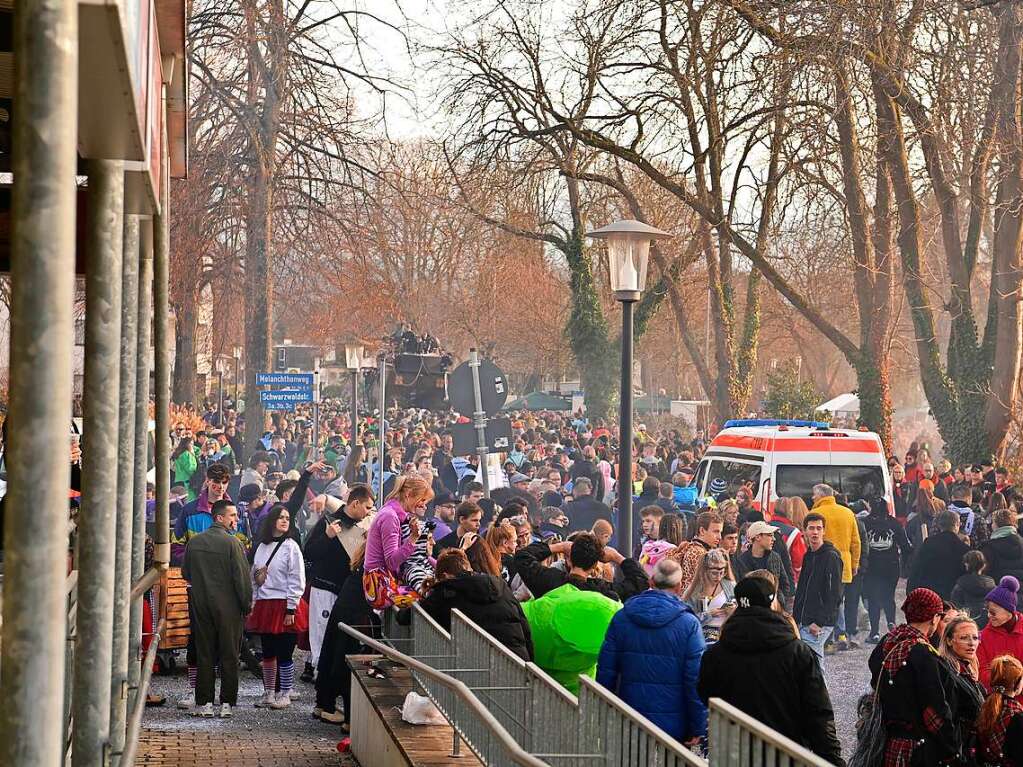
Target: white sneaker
(264, 700)
(188, 701)
(280, 701)
(225, 711)
(206, 711)
(293, 694)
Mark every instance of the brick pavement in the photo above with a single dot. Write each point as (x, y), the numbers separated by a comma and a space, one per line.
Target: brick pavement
(229, 748)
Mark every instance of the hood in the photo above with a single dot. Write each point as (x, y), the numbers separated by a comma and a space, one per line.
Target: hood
(756, 630)
(478, 588)
(653, 608)
(823, 551)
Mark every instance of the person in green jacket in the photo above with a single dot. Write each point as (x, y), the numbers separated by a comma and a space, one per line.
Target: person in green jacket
(568, 627)
(185, 463)
(220, 596)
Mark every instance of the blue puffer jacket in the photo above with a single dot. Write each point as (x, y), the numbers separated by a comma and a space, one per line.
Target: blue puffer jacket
(651, 659)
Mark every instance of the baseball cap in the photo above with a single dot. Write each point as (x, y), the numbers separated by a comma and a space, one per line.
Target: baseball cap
(760, 528)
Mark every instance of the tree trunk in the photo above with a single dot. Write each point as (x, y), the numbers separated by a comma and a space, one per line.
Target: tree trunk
(184, 353)
(1007, 270)
(258, 300)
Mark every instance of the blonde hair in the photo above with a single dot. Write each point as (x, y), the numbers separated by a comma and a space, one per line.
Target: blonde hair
(795, 510)
(410, 490)
(945, 647)
(501, 533)
(714, 557)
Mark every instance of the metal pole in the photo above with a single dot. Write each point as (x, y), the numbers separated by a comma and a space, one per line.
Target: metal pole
(97, 527)
(45, 42)
(316, 409)
(382, 426)
(125, 488)
(625, 435)
(479, 419)
(161, 337)
(220, 387)
(355, 404)
(142, 368)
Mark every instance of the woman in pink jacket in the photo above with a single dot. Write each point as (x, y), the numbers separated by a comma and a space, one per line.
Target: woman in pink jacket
(1003, 634)
(398, 546)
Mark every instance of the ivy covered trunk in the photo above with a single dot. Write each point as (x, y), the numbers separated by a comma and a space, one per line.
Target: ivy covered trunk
(587, 332)
(873, 387)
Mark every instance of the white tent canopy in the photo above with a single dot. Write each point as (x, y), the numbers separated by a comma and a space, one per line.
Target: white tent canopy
(842, 405)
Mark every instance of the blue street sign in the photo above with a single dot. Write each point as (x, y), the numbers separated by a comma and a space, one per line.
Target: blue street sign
(286, 396)
(289, 380)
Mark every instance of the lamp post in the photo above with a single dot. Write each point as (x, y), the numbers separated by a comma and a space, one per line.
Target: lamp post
(628, 250)
(353, 357)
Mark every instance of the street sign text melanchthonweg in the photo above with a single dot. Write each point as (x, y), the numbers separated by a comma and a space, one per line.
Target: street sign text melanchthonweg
(289, 380)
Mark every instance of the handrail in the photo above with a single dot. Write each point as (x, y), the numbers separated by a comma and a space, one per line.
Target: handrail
(515, 751)
(131, 739)
(763, 732)
(147, 581)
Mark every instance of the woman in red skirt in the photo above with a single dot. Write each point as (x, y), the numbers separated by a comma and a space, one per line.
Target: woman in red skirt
(278, 581)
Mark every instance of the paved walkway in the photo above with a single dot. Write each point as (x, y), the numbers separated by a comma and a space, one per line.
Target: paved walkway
(253, 737)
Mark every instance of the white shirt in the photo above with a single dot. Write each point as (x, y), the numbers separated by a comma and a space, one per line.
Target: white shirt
(285, 579)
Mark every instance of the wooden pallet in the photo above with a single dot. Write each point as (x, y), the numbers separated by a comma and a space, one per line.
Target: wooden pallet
(172, 598)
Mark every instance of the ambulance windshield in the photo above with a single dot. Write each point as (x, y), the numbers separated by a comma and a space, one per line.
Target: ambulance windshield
(854, 482)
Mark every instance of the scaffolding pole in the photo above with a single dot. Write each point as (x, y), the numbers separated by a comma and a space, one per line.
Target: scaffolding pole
(141, 449)
(125, 489)
(161, 337)
(45, 44)
(97, 528)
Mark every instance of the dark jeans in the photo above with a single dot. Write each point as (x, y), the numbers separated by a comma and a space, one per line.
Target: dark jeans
(879, 592)
(851, 604)
(216, 637)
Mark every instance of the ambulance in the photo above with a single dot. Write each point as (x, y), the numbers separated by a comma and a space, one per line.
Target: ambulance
(777, 458)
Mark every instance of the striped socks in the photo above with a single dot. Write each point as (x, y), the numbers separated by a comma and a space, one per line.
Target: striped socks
(193, 673)
(269, 676)
(287, 672)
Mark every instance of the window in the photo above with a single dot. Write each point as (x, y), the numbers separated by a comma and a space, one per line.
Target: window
(854, 482)
(701, 473)
(735, 474)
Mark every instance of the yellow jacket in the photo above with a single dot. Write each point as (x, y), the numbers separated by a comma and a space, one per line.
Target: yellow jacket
(840, 528)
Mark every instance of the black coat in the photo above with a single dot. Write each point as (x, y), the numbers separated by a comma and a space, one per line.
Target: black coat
(819, 591)
(968, 594)
(584, 511)
(886, 545)
(488, 602)
(919, 683)
(938, 564)
(1004, 557)
(328, 564)
(539, 579)
(762, 668)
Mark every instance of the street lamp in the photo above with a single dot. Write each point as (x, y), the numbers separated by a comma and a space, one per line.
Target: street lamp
(628, 250)
(353, 358)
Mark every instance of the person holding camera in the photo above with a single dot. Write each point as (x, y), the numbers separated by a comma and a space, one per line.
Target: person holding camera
(328, 554)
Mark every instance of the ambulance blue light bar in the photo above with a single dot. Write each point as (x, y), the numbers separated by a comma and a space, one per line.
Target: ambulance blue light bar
(775, 422)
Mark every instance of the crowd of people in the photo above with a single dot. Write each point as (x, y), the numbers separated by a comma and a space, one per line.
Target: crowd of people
(720, 596)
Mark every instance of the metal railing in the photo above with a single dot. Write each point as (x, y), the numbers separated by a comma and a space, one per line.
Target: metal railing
(552, 725)
(71, 590)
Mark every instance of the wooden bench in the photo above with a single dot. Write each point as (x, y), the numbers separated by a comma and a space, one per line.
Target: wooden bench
(379, 735)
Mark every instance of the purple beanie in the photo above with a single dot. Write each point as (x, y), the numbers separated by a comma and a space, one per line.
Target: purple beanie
(1004, 594)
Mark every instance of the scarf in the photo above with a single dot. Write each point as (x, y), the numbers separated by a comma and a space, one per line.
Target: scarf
(1003, 532)
(897, 646)
(993, 744)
